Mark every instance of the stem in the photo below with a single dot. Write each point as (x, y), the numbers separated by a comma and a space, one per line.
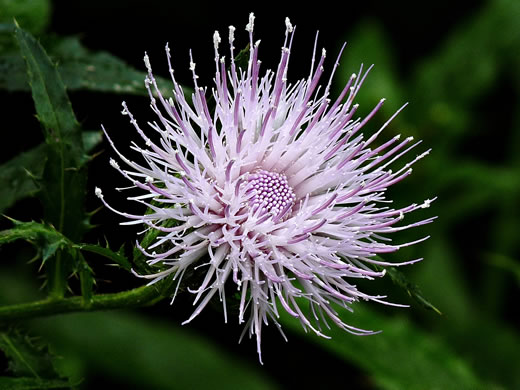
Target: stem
(56, 279)
(137, 297)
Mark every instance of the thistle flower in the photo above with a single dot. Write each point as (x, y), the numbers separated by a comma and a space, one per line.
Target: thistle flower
(275, 191)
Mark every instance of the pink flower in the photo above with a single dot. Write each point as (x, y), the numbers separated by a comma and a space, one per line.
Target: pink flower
(276, 190)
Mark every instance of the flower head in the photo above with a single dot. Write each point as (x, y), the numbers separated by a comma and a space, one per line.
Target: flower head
(275, 190)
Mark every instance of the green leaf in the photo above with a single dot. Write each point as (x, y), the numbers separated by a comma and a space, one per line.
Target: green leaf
(8, 383)
(401, 357)
(63, 180)
(44, 237)
(52, 104)
(48, 241)
(118, 257)
(18, 176)
(13, 76)
(82, 69)
(64, 177)
(149, 353)
(99, 71)
(27, 357)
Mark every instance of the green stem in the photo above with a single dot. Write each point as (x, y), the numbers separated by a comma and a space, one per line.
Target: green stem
(137, 297)
(56, 277)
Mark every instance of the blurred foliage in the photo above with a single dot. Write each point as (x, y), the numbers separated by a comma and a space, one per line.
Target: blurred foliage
(464, 103)
(474, 169)
(423, 355)
(146, 353)
(33, 15)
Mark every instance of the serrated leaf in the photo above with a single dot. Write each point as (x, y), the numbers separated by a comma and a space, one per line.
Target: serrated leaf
(18, 176)
(53, 107)
(44, 237)
(64, 176)
(9, 383)
(81, 69)
(26, 356)
(117, 257)
(48, 242)
(99, 71)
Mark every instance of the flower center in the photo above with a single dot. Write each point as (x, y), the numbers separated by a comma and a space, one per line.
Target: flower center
(271, 192)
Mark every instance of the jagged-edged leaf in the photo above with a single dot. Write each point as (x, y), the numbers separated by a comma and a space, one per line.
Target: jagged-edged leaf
(81, 69)
(28, 357)
(18, 176)
(53, 107)
(99, 71)
(48, 241)
(118, 257)
(44, 237)
(64, 177)
(401, 357)
(9, 383)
